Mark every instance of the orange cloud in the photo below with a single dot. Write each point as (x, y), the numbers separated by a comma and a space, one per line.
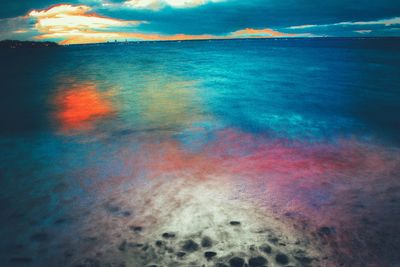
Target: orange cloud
(249, 32)
(20, 31)
(64, 20)
(75, 25)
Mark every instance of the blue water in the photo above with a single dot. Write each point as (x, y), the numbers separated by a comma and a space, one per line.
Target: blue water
(121, 98)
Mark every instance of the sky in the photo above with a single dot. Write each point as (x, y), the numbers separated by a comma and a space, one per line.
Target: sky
(93, 21)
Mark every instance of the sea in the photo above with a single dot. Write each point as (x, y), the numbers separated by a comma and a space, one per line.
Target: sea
(250, 152)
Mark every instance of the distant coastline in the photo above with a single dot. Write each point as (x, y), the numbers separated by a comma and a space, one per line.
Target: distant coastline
(391, 38)
(13, 44)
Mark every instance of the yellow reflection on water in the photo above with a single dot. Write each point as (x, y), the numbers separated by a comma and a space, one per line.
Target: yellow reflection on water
(169, 102)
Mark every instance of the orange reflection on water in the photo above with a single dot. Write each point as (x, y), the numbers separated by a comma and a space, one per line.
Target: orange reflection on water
(80, 106)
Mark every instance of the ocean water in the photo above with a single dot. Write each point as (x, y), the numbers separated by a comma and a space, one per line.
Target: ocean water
(152, 153)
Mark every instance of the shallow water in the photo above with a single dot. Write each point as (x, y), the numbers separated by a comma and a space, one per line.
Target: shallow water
(107, 147)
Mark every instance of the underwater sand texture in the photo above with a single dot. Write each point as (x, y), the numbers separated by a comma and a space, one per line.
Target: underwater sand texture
(173, 154)
(270, 203)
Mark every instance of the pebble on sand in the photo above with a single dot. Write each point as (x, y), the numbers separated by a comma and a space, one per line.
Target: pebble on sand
(122, 246)
(180, 254)
(257, 261)
(206, 242)
(190, 246)
(209, 254)
(168, 235)
(266, 248)
(236, 262)
(281, 258)
(136, 228)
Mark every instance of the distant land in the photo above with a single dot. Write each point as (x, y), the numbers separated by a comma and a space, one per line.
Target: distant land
(25, 44)
(372, 41)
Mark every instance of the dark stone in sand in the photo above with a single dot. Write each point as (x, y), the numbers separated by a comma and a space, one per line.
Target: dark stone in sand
(136, 228)
(153, 265)
(122, 246)
(168, 235)
(234, 223)
(40, 237)
(88, 263)
(190, 246)
(145, 247)
(180, 254)
(325, 231)
(126, 213)
(266, 248)
(273, 240)
(303, 259)
(206, 242)
(281, 258)
(21, 260)
(236, 262)
(221, 265)
(159, 243)
(135, 245)
(209, 254)
(257, 261)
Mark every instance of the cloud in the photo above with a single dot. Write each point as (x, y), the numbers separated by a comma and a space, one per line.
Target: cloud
(158, 4)
(385, 22)
(75, 24)
(67, 20)
(20, 31)
(18, 26)
(363, 31)
(249, 32)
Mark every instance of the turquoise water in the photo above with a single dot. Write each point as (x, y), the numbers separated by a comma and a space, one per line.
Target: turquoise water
(306, 131)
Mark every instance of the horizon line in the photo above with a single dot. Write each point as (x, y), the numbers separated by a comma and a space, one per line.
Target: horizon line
(214, 39)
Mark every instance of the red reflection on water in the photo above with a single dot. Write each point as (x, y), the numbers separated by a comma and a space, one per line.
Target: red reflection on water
(80, 106)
